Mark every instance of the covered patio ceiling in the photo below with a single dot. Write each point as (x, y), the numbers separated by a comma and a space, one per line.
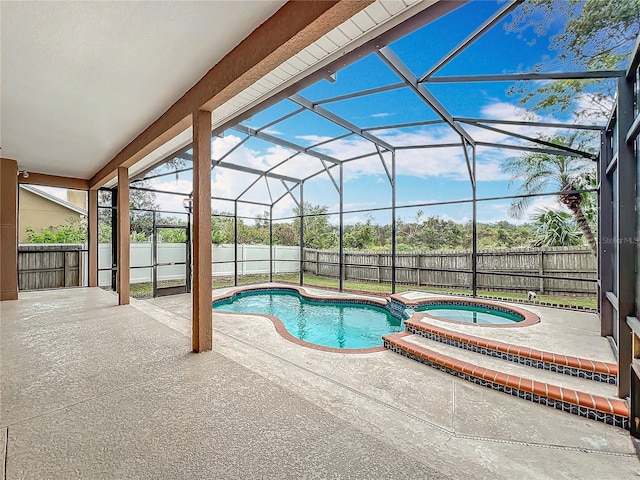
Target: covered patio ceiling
(81, 79)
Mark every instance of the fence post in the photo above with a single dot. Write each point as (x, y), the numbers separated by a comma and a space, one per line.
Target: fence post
(474, 279)
(341, 259)
(242, 256)
(379, 269)
(317, 263)
(65, 266)
(541, 269)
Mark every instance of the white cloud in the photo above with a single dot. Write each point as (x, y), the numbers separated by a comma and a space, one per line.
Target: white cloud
(542, 203)
(221, 145)
(508, 111)
(381, 115)
(272, 131)
(313, 138)
(171, 203)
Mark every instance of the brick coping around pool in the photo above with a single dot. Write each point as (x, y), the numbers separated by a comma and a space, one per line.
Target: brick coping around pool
(612, 411)
(280, 328)
(555, 362)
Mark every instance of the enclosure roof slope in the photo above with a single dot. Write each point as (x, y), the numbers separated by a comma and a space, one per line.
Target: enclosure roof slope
(81, 79)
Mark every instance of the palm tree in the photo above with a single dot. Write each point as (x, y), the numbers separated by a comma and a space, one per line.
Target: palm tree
(541, 171)
(554, 228)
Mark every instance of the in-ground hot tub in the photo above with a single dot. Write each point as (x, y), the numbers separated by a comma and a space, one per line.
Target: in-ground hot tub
(472, 311)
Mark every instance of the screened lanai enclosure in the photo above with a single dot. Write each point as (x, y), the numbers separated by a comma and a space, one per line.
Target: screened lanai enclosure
(405, 163)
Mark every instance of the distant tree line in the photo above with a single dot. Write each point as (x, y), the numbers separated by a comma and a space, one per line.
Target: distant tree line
(422, 233)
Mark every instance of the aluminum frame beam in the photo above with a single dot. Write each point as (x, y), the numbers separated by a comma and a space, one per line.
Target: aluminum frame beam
(634, 61)
(332, 117)
(477, 33)
(406, 125)
(361, 93)
(284, 143)
(426, 146)
(527, 76)
(159, 175)
(566, 126)
(590, 156)
(390, 58)
(334, 139)
(234, 148)
(253, 171)
(528, 149)
(281, 119)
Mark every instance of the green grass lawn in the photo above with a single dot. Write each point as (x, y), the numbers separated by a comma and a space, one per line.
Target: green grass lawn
(383, 288)
(145, 290)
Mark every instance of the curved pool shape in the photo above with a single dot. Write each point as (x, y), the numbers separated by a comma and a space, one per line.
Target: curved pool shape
(326, 322)
(478, 314)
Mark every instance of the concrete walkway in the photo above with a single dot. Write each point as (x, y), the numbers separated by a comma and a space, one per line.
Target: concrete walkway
(95, 390)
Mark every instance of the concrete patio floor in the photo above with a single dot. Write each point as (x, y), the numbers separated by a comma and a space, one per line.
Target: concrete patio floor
(95, 390)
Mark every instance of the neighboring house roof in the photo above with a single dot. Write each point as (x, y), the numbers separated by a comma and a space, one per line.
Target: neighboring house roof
(53, 198)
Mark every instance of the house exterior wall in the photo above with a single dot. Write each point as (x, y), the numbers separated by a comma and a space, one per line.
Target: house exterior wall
(78, 198)
(38, 213)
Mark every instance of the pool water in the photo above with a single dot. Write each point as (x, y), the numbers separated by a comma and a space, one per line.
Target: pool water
(470, 314)
(335, 324)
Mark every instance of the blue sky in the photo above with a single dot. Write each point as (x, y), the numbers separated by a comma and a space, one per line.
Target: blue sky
(424, 175)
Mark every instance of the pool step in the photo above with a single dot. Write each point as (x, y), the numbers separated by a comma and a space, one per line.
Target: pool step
(553, 362)
(522, 381)
(517, 369)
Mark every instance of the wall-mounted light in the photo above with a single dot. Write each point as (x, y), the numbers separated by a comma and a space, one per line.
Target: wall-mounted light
(24, 173)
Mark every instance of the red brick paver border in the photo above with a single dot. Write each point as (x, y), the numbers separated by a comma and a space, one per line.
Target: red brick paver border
(611, 406)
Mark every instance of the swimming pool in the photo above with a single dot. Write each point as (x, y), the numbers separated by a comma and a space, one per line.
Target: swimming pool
(471, 313)
(347, 324)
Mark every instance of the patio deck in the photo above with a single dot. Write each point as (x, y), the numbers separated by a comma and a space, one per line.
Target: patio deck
(95, 390)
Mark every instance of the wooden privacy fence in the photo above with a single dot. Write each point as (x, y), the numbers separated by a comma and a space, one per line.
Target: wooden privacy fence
(453, 269)
(49, 266)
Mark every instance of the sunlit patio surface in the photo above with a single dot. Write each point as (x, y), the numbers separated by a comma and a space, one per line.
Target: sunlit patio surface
(95, 390)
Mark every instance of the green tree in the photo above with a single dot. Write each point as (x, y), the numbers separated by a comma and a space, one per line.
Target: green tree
(221, 227)
(436, 233)
(141, 220)
(598, 35)
(172, 235)
(285, 234)
(360, 236)
(73, 231)
(539, 171)
(318, 232)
